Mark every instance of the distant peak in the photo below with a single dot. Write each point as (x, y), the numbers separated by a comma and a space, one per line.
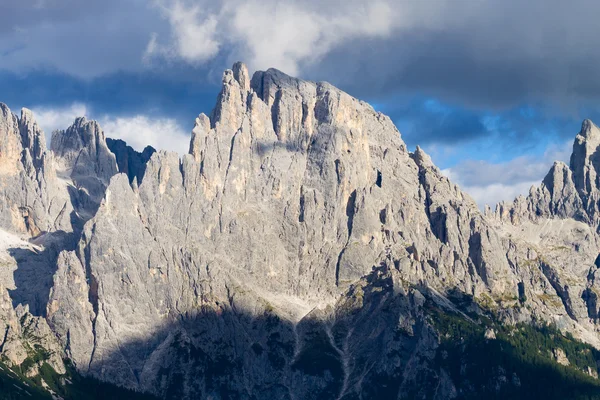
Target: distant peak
(560, 165)
(26, 114)
(588, 128)
(79, 121)
(237, 76)
(240, 74)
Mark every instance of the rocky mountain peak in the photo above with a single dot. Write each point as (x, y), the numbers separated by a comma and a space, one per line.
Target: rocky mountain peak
(585, 159)
(32, 136)
(81, 151)
(589, 130)
(201, 129)
(240, 73)
(23, 141)
(571, 191)
(298, 251)
(82, 156)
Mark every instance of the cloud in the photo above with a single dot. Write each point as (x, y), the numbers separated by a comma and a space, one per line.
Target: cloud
(452, 133)
(192, 35)
(286, 34)
(494, 193)
(425, 121)
(466, 70)
(52, 119)
(81, 38)
(489, 183)
(138, 131)
(119, 94)
(280, 34)
(483, 53)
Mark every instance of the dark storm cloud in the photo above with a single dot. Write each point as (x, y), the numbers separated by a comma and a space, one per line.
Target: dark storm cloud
(80, 38)
(21, 14)
(484, 54)
(478, 57)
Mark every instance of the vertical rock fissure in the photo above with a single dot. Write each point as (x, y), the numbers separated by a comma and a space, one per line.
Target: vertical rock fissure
(229, 161)
(92, 295)
(476, 256)
(591, 301)
(427, 202)
(344, 359)
(275, 113)
(301, 212)
(561, 292)
(4, 339)
(350, 211)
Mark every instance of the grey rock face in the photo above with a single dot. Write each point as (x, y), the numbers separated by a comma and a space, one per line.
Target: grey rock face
(292, 192)
(567, 191)
(296, 244)
(558, 223)
(82, 152)
(32, 199)
(83, 157)
(70, 294)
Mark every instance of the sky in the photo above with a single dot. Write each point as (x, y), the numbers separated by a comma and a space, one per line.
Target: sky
(494, 91)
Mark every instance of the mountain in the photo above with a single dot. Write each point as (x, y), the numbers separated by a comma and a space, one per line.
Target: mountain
(298, 251)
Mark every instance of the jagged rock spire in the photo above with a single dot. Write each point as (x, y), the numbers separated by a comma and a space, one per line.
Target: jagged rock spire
(201, 129)
(240, 73)
(82, 151)
(567, 191)
(31, 201)
(585, 159)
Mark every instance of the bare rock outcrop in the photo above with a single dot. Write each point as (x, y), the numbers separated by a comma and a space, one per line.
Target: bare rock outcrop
(291, 193)
(32, 198)
(566, 191)
(299, 250)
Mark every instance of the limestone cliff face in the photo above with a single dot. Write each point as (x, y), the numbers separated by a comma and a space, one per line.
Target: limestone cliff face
(32, 199)
(298, 226)
(557, 224)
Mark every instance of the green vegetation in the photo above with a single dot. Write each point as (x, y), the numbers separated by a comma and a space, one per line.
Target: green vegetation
(14, 384)
(518, 364)
(36, 355)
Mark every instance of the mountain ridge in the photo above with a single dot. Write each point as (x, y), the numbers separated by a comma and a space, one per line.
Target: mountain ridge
(298, 251)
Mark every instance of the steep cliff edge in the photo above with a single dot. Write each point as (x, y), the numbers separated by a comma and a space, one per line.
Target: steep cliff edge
(298, 251)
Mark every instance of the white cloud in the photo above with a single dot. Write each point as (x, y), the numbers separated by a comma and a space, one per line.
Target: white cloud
(52, 119)
(494, 193)
(138, 131)
(287, 34)
(192, 35)
(489, 183)
(268, 33)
